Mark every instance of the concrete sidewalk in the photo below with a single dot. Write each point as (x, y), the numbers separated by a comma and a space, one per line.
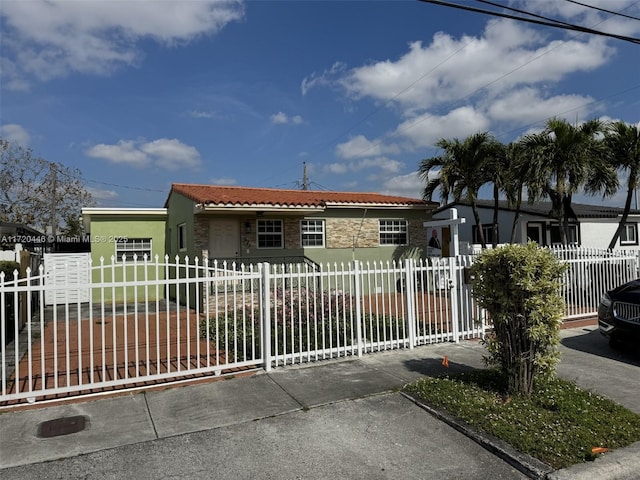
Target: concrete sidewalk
(295, 422)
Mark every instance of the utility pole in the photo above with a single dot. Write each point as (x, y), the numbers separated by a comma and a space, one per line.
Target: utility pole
(305, 179)
(54, 187)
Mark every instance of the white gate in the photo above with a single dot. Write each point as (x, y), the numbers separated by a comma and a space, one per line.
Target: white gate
(69, 274)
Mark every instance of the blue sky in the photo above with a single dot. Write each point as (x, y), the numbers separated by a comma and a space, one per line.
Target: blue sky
(140, 94)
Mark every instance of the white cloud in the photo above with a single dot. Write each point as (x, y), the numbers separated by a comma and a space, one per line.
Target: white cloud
(200, 114)
(168, 154)
(360, 146)
(223, 181)
(171, 154)
(15, 133)
(383, 164)
(282, 118)
(410, 185)
(337, 168)
(124, 152)
(507, 55)
(100, 194)
(527, 105)
(425, 130)
(326, 78)
(52, 39)
(590, 17)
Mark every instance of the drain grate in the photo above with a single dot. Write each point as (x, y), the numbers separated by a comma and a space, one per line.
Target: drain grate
(62, 426)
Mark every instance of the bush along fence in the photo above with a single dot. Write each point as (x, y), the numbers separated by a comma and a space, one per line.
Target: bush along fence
(139, 321)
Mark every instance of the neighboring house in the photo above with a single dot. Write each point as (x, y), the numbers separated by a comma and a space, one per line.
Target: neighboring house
(259, 224)
(114, 232)
(12, 234)
(594, 225)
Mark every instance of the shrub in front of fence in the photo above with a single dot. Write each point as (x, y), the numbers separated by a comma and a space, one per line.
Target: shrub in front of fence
(7, 269)
(519, 286)
(302, 321)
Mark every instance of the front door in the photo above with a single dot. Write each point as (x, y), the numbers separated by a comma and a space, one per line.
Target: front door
(446, 241)
(224, 238)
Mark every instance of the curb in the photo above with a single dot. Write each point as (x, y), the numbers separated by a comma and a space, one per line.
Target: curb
(619, 464)
(530, 466)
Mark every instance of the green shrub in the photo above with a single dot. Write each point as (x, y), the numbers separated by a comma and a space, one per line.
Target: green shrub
(301, 320)
(8, 267)
(519, 286)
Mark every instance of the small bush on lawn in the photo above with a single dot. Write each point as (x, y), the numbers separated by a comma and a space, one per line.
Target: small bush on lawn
(301, 321)
(519, 286)
(559, 423)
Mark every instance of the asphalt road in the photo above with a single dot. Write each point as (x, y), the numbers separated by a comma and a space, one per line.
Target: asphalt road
(329, 420)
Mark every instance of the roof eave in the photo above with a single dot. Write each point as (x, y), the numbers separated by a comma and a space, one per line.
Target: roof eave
(383, 206)
(254, 209)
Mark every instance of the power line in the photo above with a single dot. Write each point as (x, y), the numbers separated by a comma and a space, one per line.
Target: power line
(126, 186)
(593, 102)
(517, 10)
(547, 21)
(389, 101)
(555, 24)
(129, 187)
(603, 9)
(474, 92)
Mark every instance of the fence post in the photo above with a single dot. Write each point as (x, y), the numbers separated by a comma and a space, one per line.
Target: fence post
(454, 298)
(358, 298)
(410, 291)
(266, 316)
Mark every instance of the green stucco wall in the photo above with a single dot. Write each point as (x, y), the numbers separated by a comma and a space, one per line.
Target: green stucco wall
(180, 210)
(104, 230)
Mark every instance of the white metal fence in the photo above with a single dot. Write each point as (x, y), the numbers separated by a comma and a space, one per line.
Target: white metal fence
(591, 273)
(151, 321)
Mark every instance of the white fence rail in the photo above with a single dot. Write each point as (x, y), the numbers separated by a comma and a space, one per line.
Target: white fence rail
(591, 273)
(151, 321)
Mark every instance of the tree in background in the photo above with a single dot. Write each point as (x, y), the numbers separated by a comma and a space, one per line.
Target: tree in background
(496, 170)
(568, 159)
(460, 171)
(36, 192)
(623, 147)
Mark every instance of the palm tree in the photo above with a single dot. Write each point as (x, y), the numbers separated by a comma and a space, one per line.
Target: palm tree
(567, 159)
(517, 177)
(497, 169)
(460, 171)
(623, 146)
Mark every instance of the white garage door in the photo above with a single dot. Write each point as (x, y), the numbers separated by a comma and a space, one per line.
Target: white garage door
(71, 271)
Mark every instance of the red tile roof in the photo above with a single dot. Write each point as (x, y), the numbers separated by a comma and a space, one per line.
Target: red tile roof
(213, 195)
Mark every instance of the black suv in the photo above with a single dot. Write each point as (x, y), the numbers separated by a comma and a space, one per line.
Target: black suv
(619, 314)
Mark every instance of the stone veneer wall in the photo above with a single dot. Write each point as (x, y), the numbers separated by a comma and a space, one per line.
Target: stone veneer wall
(418, 233)
(201, 233)
(292, 232)
(341, 232)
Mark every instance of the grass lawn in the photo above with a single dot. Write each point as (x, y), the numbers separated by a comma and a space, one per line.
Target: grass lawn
(559, 424)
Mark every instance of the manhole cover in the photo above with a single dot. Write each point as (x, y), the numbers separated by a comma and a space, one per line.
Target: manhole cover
(62, 426)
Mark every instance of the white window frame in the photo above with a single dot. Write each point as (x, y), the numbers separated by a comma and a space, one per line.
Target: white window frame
(393, 227)
(574, 229)
(624, 234)
(262, 232)
(131, 246)
(487, 230)
(312, 229)
(182, 237)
